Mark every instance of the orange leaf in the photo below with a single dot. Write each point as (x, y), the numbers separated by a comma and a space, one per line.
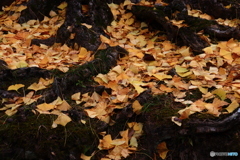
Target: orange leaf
(106, 142)
(83, 53)
(45, 107)
(137, 107)
(226, 54)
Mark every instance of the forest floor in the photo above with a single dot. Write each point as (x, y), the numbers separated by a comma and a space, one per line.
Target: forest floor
(135, 111)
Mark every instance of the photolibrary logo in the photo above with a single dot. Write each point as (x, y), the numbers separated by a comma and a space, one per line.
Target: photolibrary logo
(213, 154)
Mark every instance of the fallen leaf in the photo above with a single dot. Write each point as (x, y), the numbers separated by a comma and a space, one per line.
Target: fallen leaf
(176, 120)
(36, 86)
(76, 96)
(180, 69)
(137, 107)
(83, 53)
(234, 105)
(20, 8)
(105, 143)
(10, 112)
(133, 142)
(137, 86)
(162, 76)
(62, 5)
(62, 119)
(45, 107)
(64, 106)
(162, 150)
(220, 93)
(15, 87)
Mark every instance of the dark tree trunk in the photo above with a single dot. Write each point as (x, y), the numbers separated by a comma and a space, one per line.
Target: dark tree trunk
(100, 16)
(4, 3)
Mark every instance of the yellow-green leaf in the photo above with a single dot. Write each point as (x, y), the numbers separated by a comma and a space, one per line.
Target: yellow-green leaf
(220, 93)
(162, 76)
(180, 69)
(232, 106)
(62, 5)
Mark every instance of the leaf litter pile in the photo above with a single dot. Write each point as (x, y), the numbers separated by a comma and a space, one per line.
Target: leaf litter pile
(153, 63)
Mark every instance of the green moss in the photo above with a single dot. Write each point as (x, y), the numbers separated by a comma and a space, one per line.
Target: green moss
(36, 136)
(161, 108)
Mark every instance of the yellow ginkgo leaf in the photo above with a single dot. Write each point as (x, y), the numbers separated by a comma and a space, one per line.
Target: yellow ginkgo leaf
(226, 54)
(15, 87)
(138, 88)
(64, 106)
(101, 77)
(62, 5)
(28, 98)
(10, 112)
(232, 106)
(45, 107)
(46, 82)
(129, 21)
(22, 64)
(83, 53)
(208, 50)
(13, 109)
(162, 150)
(37, 86)
(57, 101)
(84, 157)
(105, 39)
(220, 93)
(137, 107)
(105, 143)
(76, 96)
(133, 142)
(20, 8)
(162, 76)
(62, 119)
(180, 69)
